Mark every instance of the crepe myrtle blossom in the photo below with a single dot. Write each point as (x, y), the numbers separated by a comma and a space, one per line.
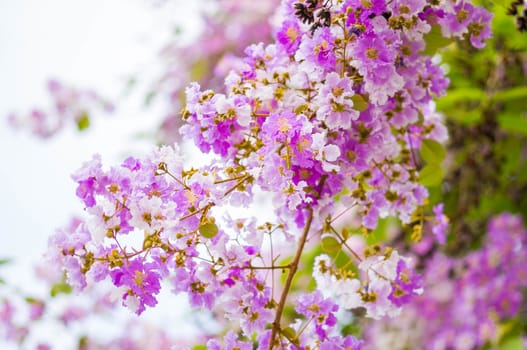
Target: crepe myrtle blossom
(386, 283)
(336, 105)
(440, 224)
(375, 60)
(347, 80)
(332, 111)
(289, 35)
(141, 283)
(23, 313)
(320, 322)
(316, 53)
(71, 105)
(466, 299)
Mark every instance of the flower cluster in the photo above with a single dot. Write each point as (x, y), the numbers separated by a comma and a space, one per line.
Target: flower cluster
(148, 216)
(387, 284)
(337, 107)
(348, 102)
(151, 219)
(467, 298)
(228, 29)
(70, 105)
(319, 322)
(27, 316)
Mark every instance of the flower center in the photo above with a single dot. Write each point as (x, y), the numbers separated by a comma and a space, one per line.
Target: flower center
(372, 53)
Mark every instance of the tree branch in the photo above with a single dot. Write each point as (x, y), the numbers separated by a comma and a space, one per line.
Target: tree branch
(289, 281)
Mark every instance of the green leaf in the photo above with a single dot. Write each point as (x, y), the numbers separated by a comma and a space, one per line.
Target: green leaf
(199, 347)
(513, 123)
(32, 300)
(431, 175)
(432, 152)
(359, 103)
(457, 96)
(83, 122)
(512, 343)
(330, 244)
(4, 261)
(60, 288)
(434, 41)
(208, 230)
(515, 93)
(503, 3)
(290, 334)
(504, 29)
(465, 117)
(199, 69)
(381, 231)
(150, 97)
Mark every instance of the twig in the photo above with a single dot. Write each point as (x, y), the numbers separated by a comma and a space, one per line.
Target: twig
(289, 281)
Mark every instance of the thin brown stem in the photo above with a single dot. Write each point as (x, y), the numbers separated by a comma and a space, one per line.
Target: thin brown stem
(412, 149)
(272, 265)
(343, 242)
(289, 281)
(276, 267)
(205, 208)
(242, 180)
(178, 180)
(333, 219)
(229, 180)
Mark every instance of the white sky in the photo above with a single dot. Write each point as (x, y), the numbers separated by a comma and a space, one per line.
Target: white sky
(90, 43)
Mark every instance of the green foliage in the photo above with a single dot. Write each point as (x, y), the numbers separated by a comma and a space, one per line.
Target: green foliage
(513, 123)
(432, 152)
(149, 98)
(330, 244)
(290, 334)
(504, 28)
(431, 175)
(208, 230)
(83, 122)
(360, 103)
(435, 41)
(486, 110)
(510, 337)
(462, 105)
(514, 94)
(512, 343)
(60, 288)
(380, 233)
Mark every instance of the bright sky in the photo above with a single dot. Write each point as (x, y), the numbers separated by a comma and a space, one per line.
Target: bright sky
(90, 43)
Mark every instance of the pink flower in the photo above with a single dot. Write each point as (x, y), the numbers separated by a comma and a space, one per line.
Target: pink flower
(440, 224)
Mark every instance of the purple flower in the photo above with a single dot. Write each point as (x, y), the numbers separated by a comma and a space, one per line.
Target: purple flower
(289, 36)
(336, 106)
(375, 61)
(406, 285)
(231, 343)
(317, 51)
(440, 224)
(142, 283)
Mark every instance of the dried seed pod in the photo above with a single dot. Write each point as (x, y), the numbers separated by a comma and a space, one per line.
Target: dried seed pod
(304, 14)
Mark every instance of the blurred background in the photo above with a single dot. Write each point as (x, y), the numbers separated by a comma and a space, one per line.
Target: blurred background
(97, 44)
(103, 45)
